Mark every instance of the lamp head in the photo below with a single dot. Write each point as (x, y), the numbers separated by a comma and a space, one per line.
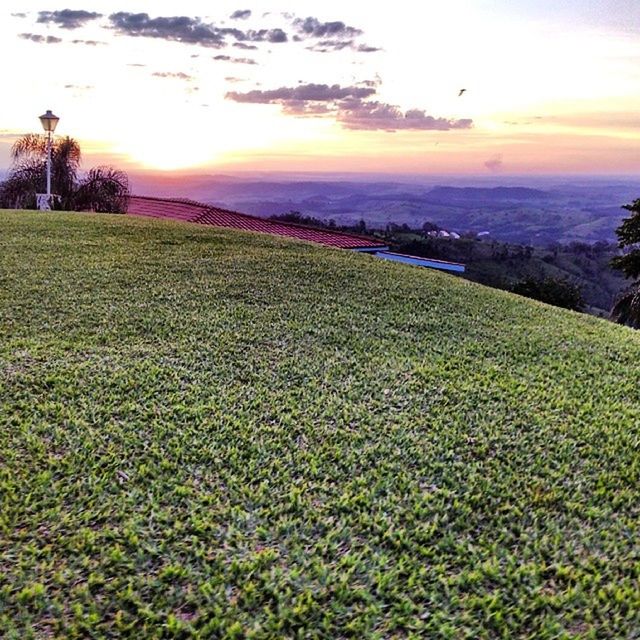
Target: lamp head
(49, 121)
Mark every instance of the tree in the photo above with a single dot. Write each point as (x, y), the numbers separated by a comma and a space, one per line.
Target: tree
(626, 309)
(103, 189)
(556, 291)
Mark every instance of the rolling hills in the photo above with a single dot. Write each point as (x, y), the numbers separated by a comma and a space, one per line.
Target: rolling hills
(208, 433)
(517, 210)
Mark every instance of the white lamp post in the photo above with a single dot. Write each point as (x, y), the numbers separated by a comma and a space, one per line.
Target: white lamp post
(49, 123)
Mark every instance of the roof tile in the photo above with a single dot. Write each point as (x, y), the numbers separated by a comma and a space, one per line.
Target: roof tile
(199, 213)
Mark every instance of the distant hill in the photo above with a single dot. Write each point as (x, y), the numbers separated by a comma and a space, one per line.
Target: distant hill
(473, 195)
(536, 212)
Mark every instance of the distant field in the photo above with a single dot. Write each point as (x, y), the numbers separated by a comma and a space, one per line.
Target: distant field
(212, 434)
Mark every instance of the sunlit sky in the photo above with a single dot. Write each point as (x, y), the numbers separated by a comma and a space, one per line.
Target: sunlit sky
(552, 86)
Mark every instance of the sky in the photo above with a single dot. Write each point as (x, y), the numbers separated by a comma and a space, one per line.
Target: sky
(552, 87)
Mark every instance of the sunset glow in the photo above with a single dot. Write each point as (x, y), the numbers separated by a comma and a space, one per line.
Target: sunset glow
(548, 90)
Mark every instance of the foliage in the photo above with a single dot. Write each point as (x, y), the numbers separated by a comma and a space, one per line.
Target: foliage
(19, 190)
(501, 265)
(297, 218)
(212, 434)
(626, 309)
(309, 221)
(556, 291)
(629, 238)
(103, 189)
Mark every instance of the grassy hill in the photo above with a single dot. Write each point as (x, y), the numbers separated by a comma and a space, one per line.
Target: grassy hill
(501, 265)
(212, 434)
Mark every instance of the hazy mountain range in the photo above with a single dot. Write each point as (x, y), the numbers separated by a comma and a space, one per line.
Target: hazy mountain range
(534, 211)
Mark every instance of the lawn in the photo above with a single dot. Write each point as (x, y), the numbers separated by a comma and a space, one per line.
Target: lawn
(213, 434)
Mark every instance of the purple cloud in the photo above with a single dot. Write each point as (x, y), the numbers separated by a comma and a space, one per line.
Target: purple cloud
(305, 92)
(245, 46)
(188, 30)
(313, 28)
(350, 106)
(179, 75)
(68, 18)
(231, 59)
(494, 164)
(379, 116)
(34, 37)
(176, 28)
(89, 43)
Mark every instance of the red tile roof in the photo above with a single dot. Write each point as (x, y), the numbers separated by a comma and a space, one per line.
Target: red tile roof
(191, 211)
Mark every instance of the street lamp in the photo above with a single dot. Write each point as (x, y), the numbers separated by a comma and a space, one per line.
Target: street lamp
(49, 123)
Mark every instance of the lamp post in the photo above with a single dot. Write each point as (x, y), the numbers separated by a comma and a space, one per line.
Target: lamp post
(49, 123)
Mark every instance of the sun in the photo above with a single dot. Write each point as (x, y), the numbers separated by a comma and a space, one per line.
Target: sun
(165, 152)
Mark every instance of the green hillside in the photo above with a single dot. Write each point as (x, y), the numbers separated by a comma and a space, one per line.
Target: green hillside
(501, 265)
(212, 434)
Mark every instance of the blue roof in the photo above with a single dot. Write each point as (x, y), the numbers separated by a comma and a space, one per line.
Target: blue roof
(431, 263)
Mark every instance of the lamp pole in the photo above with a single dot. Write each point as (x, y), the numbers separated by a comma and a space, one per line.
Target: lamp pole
(49, 122)
(49, 164)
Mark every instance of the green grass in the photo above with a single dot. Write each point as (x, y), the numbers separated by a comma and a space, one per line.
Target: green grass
(212, 434)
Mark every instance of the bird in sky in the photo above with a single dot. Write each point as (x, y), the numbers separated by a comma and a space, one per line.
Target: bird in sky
(461, 92)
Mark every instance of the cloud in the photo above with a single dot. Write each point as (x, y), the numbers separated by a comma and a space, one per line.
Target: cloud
(223, 58)
(276, 36)
(136, 64)
(325, 46)
(371, 83)
(246, 47)
(234, 79)
(329, 36)
(188, 30)
(494, 164)
(79, 87)
(331, 45)
(19, 15)
(172, 74)
(34, 37)
(305, 92)
(302, 108)
(379, 116)
(313, 28)
(365, 48)
(351, 106)
(176, 29)
(241, 14)
(90, 43)
(68, 18)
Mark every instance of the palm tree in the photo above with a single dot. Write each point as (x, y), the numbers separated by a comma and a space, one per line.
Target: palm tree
(103, 189)
(29, 155)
